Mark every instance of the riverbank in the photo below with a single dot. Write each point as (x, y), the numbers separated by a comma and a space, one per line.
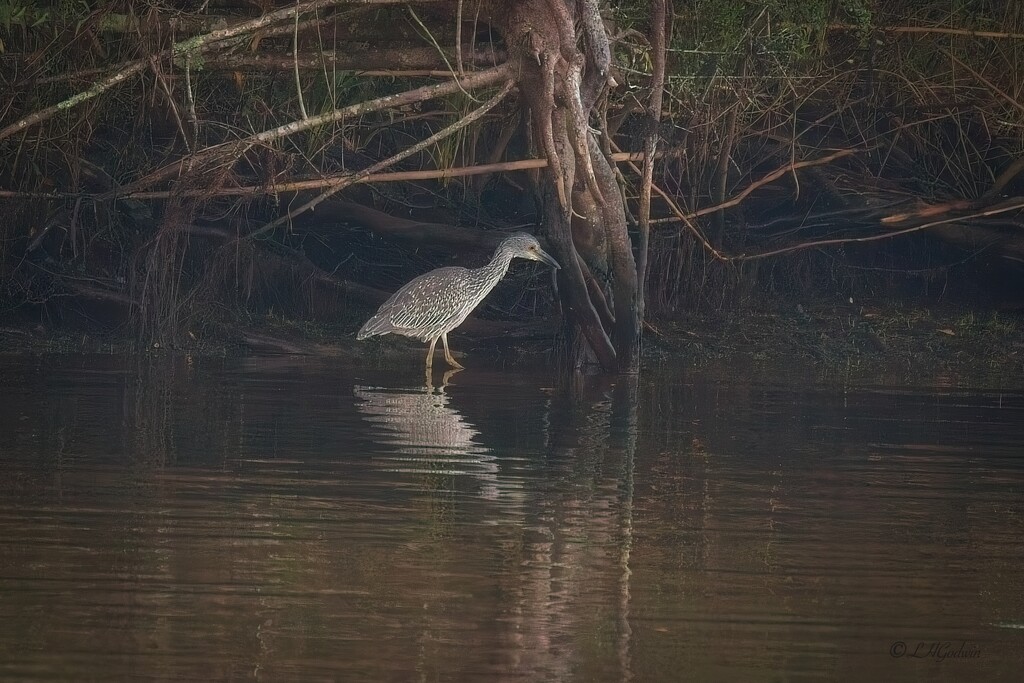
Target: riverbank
(874, 337)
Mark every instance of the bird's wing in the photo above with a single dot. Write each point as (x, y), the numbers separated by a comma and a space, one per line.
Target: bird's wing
(426, 301)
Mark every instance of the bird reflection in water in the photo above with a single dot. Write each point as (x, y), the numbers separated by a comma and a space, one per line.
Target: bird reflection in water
(428, 435)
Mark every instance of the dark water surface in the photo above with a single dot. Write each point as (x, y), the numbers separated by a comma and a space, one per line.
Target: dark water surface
(294, 520)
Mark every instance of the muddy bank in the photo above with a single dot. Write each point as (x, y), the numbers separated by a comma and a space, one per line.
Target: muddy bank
(875, 338)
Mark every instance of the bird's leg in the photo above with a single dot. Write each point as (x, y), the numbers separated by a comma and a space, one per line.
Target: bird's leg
(430, 353)
(448, 354)
(448, 374)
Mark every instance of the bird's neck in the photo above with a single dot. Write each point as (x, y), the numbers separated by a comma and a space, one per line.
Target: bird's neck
(498, 266)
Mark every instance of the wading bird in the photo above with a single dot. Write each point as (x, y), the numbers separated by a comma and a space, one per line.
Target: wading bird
(435, 303)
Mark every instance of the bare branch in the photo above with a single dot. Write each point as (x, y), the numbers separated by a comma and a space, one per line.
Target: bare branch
(932, 29)
(98, 88)
(774, 175)
(1015, 205)
(195, 44)
(319, 183)
(1009, 98)
(233, 149)
(343, 182)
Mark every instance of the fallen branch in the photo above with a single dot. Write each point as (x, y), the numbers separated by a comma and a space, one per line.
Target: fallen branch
(344, 181)
(409, 59)
(231, 149)
(1005, 208)
(1008, 174)
(932, 29)
(98, 88)
(927, 212)
(319, 183)
(774, 175)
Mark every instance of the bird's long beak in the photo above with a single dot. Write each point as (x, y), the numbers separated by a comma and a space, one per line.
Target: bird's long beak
(547, 258)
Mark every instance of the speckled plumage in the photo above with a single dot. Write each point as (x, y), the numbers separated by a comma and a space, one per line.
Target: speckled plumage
(435, 303)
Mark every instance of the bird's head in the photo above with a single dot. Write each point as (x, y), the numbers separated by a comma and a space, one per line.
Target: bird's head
(524, 245)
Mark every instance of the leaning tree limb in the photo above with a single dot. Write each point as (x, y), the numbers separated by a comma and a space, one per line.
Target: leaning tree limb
(97, 88)
(192, 45)
(341, 183)
(1016, 204)
(232, 150)
(579, 309)
(415, 61)
(568, 64)
(940, 30)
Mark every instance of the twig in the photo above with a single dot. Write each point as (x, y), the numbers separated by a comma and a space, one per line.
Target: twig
(190, 103)
(987, 82)
(437, 47)
(458, 39)
(774, 175)
(295, 59)
(341, 183)
(679, 215)
(174, 108)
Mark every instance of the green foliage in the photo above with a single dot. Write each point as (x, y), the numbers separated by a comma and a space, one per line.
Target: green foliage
(45, 17)
(859, 14)
(713, 38)
(23, 14)
(786, 29)
(32, 15)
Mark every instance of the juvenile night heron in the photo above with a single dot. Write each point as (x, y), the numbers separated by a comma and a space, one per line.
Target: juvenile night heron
(435, 303)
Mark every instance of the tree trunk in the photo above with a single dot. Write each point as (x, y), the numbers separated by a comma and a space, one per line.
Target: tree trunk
(584, 213)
